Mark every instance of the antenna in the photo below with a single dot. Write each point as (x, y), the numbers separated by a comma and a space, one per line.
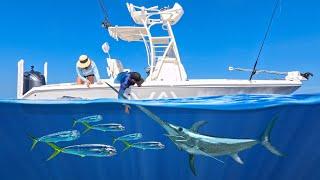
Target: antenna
(264, 39)
(105, 23)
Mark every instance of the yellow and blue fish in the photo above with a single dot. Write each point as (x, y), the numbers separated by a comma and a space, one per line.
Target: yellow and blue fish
(56, 137)
(104, 127)
(128, 137)
(88, 119)
(83, 150)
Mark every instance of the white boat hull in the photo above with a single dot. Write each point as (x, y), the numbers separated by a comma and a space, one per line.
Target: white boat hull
(159, 90)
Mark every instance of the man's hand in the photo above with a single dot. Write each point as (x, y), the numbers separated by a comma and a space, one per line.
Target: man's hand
(88, 83)
(127, 109)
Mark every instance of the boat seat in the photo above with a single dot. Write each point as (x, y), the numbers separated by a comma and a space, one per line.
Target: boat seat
(114, 67)
(172, 15)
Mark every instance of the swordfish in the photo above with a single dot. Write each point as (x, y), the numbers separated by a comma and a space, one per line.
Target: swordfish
(194, 143)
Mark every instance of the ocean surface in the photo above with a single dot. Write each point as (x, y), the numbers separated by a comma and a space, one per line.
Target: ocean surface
(295, 133)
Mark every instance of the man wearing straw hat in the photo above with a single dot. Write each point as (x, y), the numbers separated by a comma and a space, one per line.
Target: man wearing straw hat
(87, 71)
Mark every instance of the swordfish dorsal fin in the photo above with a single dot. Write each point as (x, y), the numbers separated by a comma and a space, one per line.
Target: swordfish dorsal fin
(197, 125)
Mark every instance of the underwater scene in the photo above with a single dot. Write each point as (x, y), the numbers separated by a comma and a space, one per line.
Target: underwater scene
(224, 137)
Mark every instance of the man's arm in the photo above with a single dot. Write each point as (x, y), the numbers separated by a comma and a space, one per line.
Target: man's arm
(80, 75)
(96, 72)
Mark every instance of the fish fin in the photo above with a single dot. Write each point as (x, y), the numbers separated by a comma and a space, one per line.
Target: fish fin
(191, 164)
(74, 122)
(34, 141)
(169, 136)
(265, 138)
(88, 127)
(114, 139)
(128, 145)
(236, 158)
(195, 127)
(172, 139)
(57, 150)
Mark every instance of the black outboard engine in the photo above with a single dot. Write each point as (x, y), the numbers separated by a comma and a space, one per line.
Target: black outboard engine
(32, 79)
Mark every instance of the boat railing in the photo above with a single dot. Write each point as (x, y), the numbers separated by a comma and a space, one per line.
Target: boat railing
(162, 51)
(142, 15)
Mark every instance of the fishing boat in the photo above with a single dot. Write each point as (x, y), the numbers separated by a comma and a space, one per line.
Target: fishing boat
(166, 75)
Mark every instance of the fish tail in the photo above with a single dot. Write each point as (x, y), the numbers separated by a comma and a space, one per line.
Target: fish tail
(74, 122)
(34, 141)
(88, 127)
(114, 139)
(127, 144)
(265, 138)
(56, 149)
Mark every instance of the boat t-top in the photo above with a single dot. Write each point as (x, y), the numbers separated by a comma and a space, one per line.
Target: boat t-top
(166, 75)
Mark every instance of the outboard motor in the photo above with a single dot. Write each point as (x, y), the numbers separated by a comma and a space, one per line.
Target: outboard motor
(306, 75)
(32, 79)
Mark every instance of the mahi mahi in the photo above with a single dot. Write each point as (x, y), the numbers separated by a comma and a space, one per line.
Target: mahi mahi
(83, 150)
(88, 119)
(104, 127)
(144, 145)
(128, 137)
(56, 137)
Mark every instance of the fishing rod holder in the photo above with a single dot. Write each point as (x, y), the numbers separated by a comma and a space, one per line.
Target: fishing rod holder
(106, 24)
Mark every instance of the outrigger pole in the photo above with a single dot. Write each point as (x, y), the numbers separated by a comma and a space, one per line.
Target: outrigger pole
(306, 75)
(258, 71)
(254, 71)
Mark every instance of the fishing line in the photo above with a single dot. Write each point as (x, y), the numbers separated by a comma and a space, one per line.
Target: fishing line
(264, 39)
(106, 23)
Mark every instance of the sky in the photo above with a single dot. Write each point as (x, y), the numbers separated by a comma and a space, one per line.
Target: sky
(211, 36)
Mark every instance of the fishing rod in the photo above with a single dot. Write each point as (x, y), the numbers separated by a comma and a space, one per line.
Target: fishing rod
(116, 91)
(143, 109)
(106, 22)
(254, 71)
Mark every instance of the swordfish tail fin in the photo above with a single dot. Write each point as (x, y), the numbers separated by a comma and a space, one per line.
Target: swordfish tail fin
(265, 138)
(56, 149)
(88, 127)
(34, 141)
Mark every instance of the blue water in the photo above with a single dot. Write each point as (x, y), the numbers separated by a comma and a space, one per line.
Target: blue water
(296, 134)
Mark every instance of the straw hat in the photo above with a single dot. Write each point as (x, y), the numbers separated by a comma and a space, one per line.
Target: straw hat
(83, 62)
